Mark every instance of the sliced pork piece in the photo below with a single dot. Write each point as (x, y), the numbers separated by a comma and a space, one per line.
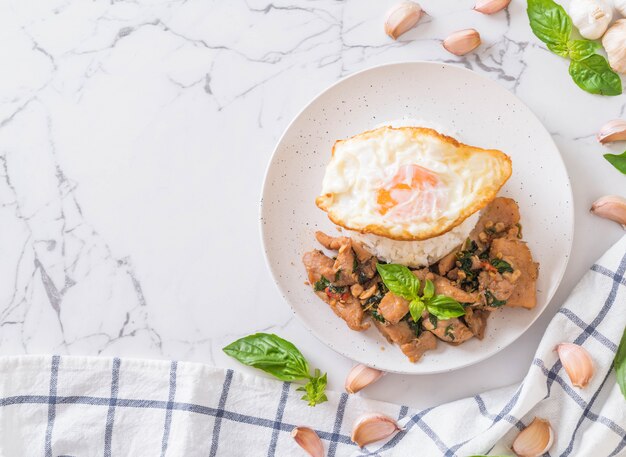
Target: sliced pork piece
(344, 266)
(415, 349)
(476, 320)
(411, 345)
(447, 263)
(496, 219)
(399, 333)
(524, 294)
(354, 263)
(317, 264)
(444, 286)
(495, 288)
(451, 331)
(347, 308)
(393, 308)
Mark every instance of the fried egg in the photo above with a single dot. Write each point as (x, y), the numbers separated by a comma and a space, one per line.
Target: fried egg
(409, 183)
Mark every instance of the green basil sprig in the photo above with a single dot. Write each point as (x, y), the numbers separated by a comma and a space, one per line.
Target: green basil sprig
(617, 160)
(403, 283)
(620, 364)
(590, 71)
(281, 359)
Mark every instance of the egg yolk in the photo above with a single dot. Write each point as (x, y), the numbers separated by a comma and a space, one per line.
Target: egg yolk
(411, 188)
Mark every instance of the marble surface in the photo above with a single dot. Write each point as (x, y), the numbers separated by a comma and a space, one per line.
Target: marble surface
(133, 141)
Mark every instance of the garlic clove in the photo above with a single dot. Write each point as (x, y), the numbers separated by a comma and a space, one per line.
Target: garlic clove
(614, 130)
(611, 207)
(591, 17)
(535, 440)
(613, 42)
(402, 18)
(373, 427)
(462, 42)
(360, 377)
(620, 5)
(308, 440)
(491, 6)
(577, 363)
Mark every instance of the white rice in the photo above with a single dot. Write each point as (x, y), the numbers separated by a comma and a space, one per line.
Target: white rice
(417, 253)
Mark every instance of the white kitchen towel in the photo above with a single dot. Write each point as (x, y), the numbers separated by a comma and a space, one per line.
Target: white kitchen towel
(76, 406)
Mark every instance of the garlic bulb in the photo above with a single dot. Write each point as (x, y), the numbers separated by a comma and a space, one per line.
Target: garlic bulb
(360, 377)
(373, 427)
(308, 440)
(401, 18)
(614, 130)
(614, 42)
(620, 5)
(591, 17)
(462, 42)
(535, 440)
(611, 207)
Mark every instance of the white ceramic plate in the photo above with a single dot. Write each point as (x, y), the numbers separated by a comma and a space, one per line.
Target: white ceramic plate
(482, 114)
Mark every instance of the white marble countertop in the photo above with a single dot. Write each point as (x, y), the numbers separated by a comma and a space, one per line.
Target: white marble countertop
(134, 137)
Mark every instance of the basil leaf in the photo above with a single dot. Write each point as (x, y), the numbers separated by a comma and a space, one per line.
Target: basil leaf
(429, 289)
(502, 266)
(581, 49)
(551, 24)
(492, 300)
(416, 307)
(620, 364)
(444, 307)
(271, 354)
(399, 280)
(617, 160)
(315, 389)
(322, 284)
(595, 76)
(433, 320)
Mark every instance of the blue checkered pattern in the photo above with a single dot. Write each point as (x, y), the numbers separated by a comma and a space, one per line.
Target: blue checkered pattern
(91, 406)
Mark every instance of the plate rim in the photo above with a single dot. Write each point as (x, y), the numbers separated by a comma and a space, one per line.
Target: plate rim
(263, 233)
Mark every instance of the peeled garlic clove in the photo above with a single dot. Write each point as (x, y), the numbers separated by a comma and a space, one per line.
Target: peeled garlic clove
(308, 440)
(534, 440)
(591, 17)
(360, 377)
(611, 207)
(491, 6)
(373, 427)
(614, 130)
(613, 42)
(462, 42)
(577, 363)
(402, 18)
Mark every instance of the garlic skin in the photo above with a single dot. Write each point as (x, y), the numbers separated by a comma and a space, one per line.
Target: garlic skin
(462, 42)
(614, 130)
(591, 17)
(402, 17)
(308, 440)
(620, 6)
(535, 440)
(614, 43)
(360, 377)
(612, 207)
(373, 427)
(491, 6)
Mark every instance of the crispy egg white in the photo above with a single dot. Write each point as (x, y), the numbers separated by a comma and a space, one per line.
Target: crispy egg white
(409, 183)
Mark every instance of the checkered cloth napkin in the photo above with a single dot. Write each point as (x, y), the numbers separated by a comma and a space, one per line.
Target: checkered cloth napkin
(72, 406)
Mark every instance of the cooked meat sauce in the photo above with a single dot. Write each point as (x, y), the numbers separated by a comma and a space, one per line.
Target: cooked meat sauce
(491, 270)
